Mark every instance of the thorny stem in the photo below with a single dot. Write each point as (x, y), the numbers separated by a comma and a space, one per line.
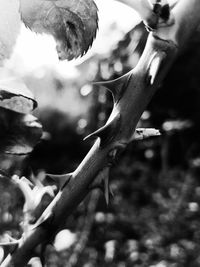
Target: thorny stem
(137, 89)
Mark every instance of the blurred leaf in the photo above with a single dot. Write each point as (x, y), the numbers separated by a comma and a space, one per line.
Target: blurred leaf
(73, 24)
(14, 95)
(19, 133)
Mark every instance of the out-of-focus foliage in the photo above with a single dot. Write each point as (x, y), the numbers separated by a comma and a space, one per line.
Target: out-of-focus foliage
(11, 203)
(20, 131)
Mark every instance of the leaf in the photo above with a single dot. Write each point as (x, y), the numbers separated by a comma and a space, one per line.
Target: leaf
(143, 133)
(73, 24)
(19, 133)
(14, 95)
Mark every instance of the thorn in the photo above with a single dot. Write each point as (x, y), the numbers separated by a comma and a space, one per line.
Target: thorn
(102, 182)
(10, 241)
(112, 155)
(48, 212)
(44, 217)
(107, 190)
(143, 133)
(9, 244)
(11, 238)
(118, 86)
(62, 179)
(97, 183)
(106, 185)
(107, 132)
(154, 66)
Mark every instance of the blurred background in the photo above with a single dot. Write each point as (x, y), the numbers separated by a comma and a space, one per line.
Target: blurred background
(154, 217)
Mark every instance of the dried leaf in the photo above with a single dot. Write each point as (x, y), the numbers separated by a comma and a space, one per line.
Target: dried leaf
(73, 24)
(143, 133)
(19, 133)
(14, 95)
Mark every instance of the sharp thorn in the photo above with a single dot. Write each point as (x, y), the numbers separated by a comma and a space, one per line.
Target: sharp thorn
(111, 192)
(9, 244)
(48, 212)
(106, 190)
(11, 238)
(62, 179)
(95, 134)
(102, 182)
(44, 217)
(106, 133)
(117, 87)
(97, 183)
(112, 156)
(106, 184)
(154, 66)
(10, 241)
